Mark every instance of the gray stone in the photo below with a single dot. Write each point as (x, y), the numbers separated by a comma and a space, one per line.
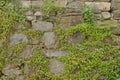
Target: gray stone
(56, 67)
(75, 39)
(106, 15)
(75, 5)
(115, 4)
(36, 3)
(28, 52)
(11, 70)
(118, 79)
(42, 26)
(49, 39)
(106, 22)
(55, 53)
(18, 38)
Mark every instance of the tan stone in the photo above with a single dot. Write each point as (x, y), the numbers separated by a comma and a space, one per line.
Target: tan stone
(68, 21)
(116, 14)
(61, 3)
(25, 4)
(99, 6)
(107, 22)
(56, 67)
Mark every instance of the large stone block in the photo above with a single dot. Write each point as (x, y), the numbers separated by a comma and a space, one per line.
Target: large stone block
(116, 14)
(68, 21)
(37, 3)
(56, 67)
(61, 3)
(42, 26)
(106, 15)
(49, 39)
(115, 5)
(75, 5)
(18, 38)
(99, 6)
(25, 4)
(28, 52)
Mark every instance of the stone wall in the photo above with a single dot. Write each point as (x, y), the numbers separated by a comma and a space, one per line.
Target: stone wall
(103, 9)
(47, 40)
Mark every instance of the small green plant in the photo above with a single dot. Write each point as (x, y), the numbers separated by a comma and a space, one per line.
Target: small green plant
(9, 14)
(49, 8)
(88, 15)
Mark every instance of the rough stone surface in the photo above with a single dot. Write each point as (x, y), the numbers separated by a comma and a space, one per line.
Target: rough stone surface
(49, 39)
(30, 18)
(116, 31)
(25, 4)
(118, 79)
(75, 39)
(35, 3)
(107, 22)
(99, 6)
(21, 77)
(38, 13)
(56, 67)
(61, 3)
(42, 26)
(55, 53)
(115, 4)
(28, 52)
(11, 70)
(18, 38)
(68, 21)
(75, 5)
(106, 15)
(116, 14)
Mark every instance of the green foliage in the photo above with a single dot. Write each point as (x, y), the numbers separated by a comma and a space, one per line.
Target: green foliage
(49, 8)
(31, 34)
(83, 64)
(88, 15)
(88, 31)
(9, 14)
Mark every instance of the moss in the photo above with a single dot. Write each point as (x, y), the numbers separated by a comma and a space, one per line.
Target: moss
(83, 64)
(31, 34)
(50, 9)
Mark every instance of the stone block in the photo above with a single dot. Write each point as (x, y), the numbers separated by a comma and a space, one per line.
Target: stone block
(116, 14)
(49, 39)
(56, 67)
(106, 15)
(42, 25)
(68, 21)
(18, 38)
(99, 6)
